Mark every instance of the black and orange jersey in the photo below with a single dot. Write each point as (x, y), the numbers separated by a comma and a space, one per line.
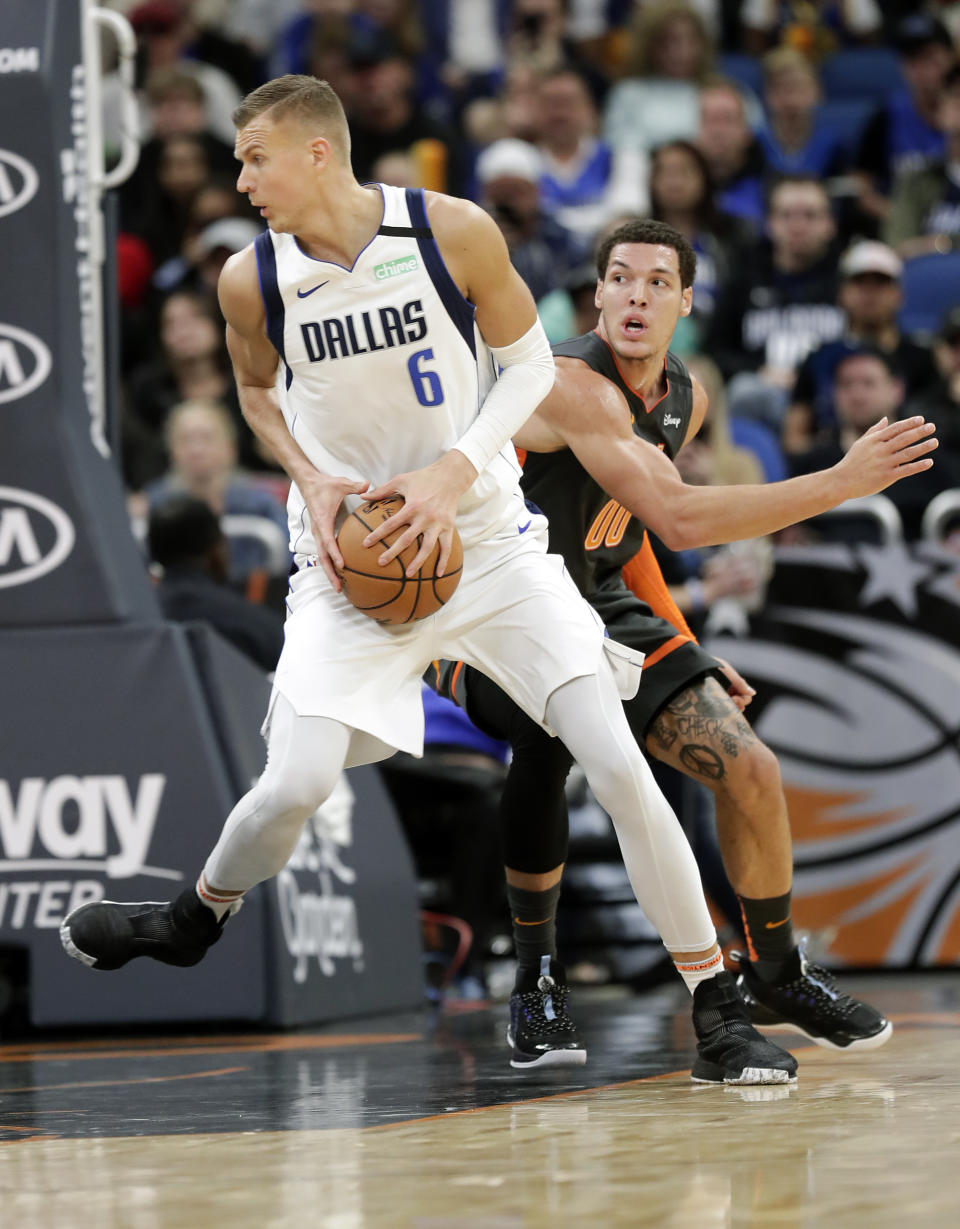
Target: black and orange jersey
(596, 535)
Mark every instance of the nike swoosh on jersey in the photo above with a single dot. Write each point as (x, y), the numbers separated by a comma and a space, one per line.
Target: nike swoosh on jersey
(305, 294)
(524, 528)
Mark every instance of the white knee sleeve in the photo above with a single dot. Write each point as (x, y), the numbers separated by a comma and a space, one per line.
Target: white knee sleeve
(305, 756)
(587, 714)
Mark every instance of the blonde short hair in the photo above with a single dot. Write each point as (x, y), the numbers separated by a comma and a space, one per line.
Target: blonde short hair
(304, 98)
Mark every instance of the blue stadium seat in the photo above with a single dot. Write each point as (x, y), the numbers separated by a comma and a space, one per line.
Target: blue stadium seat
(743, 69)
(761, 441)
(931, 286)
(847, 117)
(867, 73)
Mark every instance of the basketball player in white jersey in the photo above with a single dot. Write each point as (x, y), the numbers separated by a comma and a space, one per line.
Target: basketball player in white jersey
(366, 329)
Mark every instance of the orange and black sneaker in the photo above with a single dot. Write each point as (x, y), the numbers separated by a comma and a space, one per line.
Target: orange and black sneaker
(805, 998)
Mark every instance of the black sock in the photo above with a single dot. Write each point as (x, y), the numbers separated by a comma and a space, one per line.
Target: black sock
(534, 918)
(769, 932)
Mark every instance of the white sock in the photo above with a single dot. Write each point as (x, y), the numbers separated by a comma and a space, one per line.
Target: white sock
(220, 902)
(702, 969)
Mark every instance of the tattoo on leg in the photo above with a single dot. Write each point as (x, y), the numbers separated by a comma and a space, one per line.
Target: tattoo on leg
(702, 761)
(662, 733)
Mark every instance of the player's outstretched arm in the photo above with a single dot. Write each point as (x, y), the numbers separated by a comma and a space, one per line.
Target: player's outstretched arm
(476, 256)
(592, 418)
(255, 369)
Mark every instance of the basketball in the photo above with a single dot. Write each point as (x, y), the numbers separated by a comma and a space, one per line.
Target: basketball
(387, 594)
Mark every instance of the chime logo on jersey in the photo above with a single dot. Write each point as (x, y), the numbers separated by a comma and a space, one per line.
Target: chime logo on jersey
(18, 182)
(382, 329)
(393, 268)
(25, 362)
(35, 536)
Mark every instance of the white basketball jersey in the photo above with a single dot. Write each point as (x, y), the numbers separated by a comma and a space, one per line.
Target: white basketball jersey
(383, 368)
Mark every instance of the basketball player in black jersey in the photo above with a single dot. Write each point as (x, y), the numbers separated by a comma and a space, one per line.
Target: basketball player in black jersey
(591, 468)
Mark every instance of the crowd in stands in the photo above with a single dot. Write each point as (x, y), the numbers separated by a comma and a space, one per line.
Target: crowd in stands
(809, 149)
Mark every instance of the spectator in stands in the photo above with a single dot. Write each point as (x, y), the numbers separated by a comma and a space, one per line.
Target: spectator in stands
(870, 295)
(940, 401)
(541, 250)
(176, 107)
(781, 304)
(904, 130)
(681, 194)
(734, 155)
(190, 362)
(584, 182)
(183, 168)
(217, 201)
(866, 388)
(670, 55)
(385, 116)
(813, 28)
(165, 35)
(794, 140)
(924, 211)
(186, 541)
(201, 439)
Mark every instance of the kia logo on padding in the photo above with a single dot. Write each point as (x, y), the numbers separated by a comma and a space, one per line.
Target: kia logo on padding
(18, 182)
(24, 362)
(35, 536)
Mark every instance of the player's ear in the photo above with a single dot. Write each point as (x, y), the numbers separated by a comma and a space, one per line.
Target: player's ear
(598, 295)
(686, 301)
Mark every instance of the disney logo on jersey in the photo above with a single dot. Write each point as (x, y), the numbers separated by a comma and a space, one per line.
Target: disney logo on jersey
(364, 333)
(18, 182)
(672, 420)
(393, 268)
(35, 536)
(25, 363)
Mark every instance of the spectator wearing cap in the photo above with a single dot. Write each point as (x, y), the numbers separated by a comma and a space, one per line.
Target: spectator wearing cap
(866, 388)
(187, 543)
(870, 295)
(904, 130)
(541, 250)
(385, 116)
(925, 203)
(585, 182)
(940, 401)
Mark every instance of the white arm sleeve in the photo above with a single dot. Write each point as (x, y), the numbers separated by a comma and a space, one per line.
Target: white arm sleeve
(526, 378)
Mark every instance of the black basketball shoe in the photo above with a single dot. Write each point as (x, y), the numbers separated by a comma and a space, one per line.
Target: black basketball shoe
(541, 1033)
(106, 934)
(806, 999)
(729, 1048)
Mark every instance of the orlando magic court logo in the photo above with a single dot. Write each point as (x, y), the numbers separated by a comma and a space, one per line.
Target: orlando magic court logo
(862, 707)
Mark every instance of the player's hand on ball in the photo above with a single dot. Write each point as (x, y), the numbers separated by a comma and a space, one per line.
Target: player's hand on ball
(886, 453)
(429, 509)
(323, 497)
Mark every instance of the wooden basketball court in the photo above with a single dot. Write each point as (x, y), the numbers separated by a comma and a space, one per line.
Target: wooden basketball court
(416, 1122)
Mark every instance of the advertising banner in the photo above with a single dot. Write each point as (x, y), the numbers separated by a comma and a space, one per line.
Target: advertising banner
(66, 551)
(856, 661)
